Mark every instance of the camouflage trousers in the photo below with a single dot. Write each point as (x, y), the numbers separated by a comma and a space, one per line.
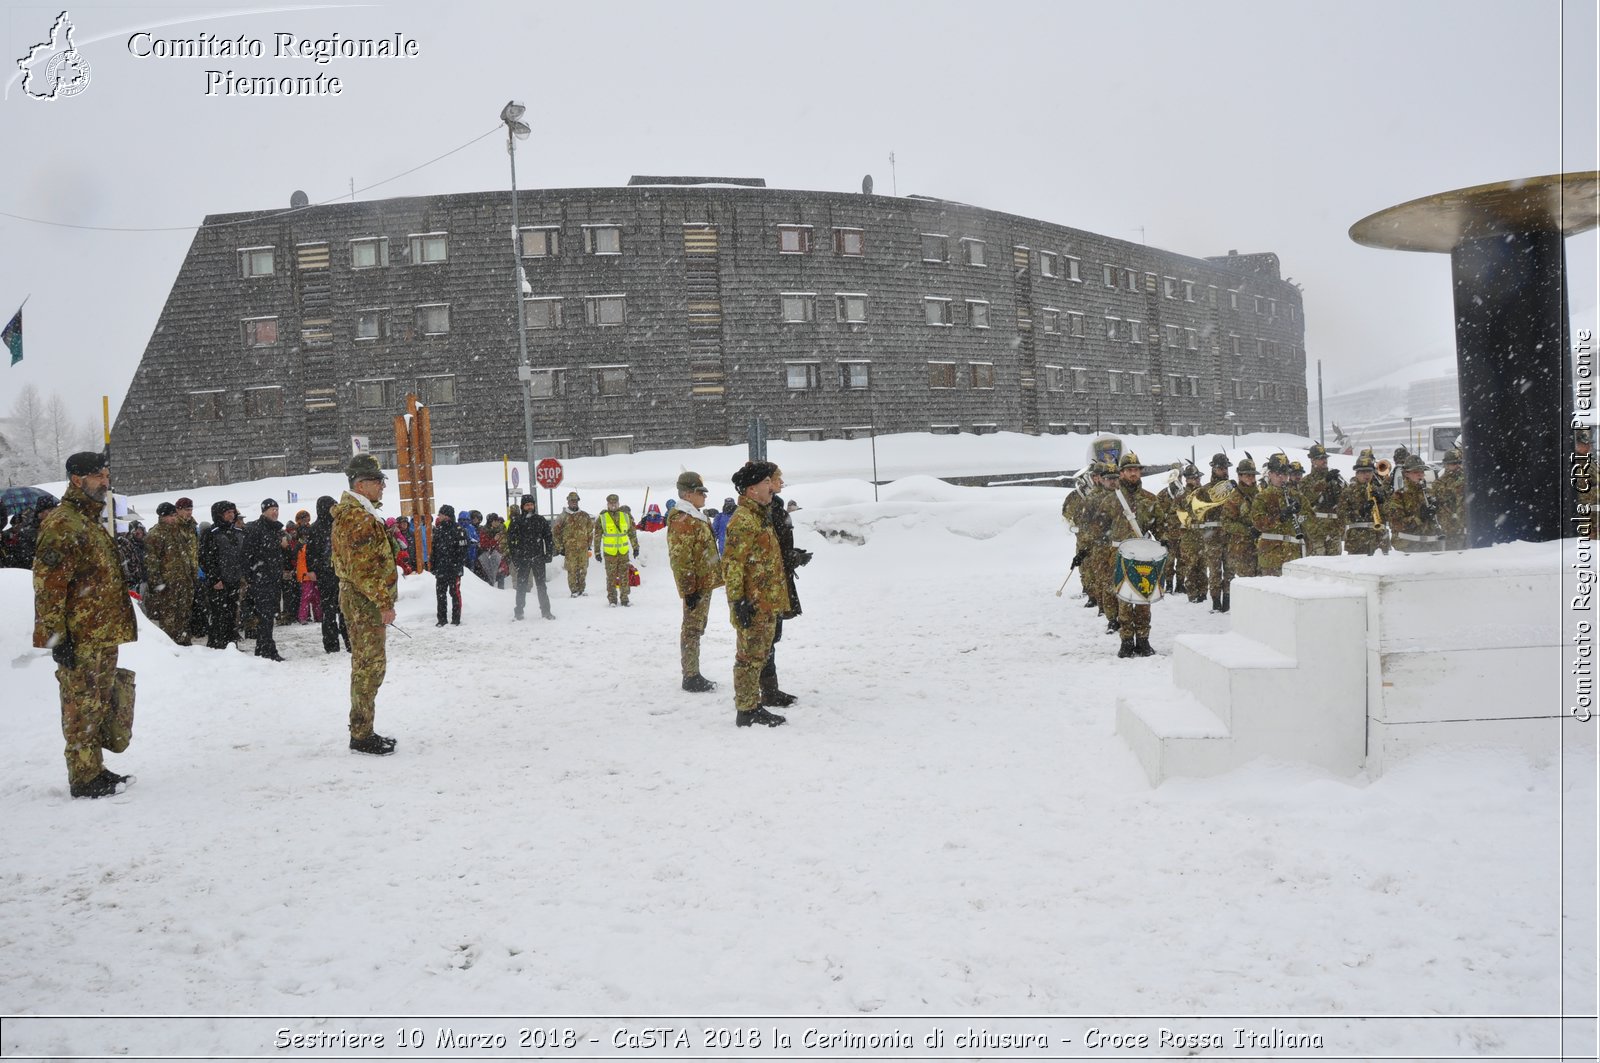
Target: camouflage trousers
(89, 721)
(171, 607)
(1134, 620)
(1219, 573)
(616, 577)
(1103, 558)
(749, 657)
(577, 570)
(1363, 541)
(694, 626)
(1242, 559)
(1324, 538)
(364, 620)
(1272, 555)
(1192, 562)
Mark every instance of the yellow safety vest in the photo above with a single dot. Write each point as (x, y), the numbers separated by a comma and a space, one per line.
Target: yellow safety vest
(614, 532)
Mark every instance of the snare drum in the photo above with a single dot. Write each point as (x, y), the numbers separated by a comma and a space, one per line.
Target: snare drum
(1137, 574)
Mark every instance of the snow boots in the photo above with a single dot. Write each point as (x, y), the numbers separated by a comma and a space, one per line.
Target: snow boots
(105, 784)
(374, 745)
(770, 694)
(748, 717)
(1126, 650)
(1142, 647)
(698, 684)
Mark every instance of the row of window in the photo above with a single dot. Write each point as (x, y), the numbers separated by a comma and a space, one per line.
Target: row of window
(379, 394)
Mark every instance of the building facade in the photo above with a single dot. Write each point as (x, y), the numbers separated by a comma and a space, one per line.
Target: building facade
(673, 313)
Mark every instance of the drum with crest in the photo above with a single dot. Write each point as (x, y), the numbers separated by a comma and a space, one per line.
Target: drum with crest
(1138, 569)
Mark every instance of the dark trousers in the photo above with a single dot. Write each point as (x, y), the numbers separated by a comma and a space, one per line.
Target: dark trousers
(333, 627)
(222, 614)
(532, 572)
(452, 584)
(265, 602)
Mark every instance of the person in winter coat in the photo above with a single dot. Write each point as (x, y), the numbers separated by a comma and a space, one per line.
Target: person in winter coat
(753, 573)
(169, 566)
(614, 537)
(130, 551)
(719, 523)
(310, 594)
(783, 527)
(573, 531)
(263, 563)
(531, 547)
(491, 549)
(319, 562)
(447, 557)
(697, 570)
(364, 556)
(222, 558)
(81, 615)
(469, 528)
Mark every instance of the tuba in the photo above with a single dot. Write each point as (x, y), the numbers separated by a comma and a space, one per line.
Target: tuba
(1201, 502)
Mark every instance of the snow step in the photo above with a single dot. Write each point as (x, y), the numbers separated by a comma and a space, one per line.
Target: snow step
(1228, 669)
(1172, 733)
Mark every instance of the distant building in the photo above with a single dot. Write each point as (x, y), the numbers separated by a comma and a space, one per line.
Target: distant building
(1400, 408)
(673, 311)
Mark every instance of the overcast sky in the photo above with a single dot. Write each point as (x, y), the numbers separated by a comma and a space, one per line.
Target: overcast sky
(1197, 127)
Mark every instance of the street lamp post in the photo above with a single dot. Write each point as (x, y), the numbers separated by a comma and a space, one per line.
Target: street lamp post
(517, 130)
(1233, 429)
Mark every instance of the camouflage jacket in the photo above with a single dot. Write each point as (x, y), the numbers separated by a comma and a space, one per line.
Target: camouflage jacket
(692, 549)
(1234, 514)
(1269, 513)
(1319, 493)
(77, 578)
(1407, 512)
(572, 531)
(752, 560)
(364, 556)
(1146, 509)
(1361, 503)
(1450, 490)
(169, 556)
(1094, 522)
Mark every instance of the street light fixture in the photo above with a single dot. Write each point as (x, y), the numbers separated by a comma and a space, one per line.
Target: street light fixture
(1233, 427)
(516, 130)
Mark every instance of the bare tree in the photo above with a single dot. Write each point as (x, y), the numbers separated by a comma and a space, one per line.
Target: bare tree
(58, 430)
(29, 413)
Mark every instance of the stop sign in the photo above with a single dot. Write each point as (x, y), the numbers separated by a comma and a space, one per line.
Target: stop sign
(548, 473)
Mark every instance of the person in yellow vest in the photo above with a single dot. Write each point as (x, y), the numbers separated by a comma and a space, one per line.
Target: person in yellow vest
(614, 541)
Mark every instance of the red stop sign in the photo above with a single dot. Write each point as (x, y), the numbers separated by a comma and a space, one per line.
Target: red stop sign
(548, 473)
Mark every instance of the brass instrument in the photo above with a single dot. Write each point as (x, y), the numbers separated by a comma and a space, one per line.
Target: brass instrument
(1385, 467)
(1377, 515)
(1200, 503)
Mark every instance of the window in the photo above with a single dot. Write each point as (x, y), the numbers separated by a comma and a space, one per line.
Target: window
(542, 312)
(547, 383)
(1293, 313)
(1055, 378)
(1211, 294)
(541, 242)
(602, 239)
(981, 374)
(985, 429)
(606, 445)
(978, 313)
(1075, 324)
(1272, 308)
(1113, 328)
(850, 242)
(794, 239)
(1261, 305)
(944, 429)
(260, 331)
(1233, 345)
(605, 309)
(269, 466)
(446, 453)
(803, 376)
(433, 319)
(429, 248)
(1048, 264)
(205, 405)
(1233, 298)
(1188, 291)
(804, 435)
(941, 374)
(1136, 383)
(1150, 284)
(375, 394)
(1109, 275)
(372, 324)
(1174, 336)
(972, 251)
(935, 247)
(1238, 389)
(1114, 382)
(611, 381)
(255, 261)
(263, 402)
(1261, 348)
(1080, 378)
(438, 391)
(799, 306)
(1131, 276)
(1050, 320)
(855, 376)
(1074, 268)
(1191, 339)
(1135, 330)
(937, 310)
(851, 306)
(369, 252)
(208, 473)
(560, 449)
(1169, 287)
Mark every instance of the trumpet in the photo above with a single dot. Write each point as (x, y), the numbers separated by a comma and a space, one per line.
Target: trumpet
(1385, 467)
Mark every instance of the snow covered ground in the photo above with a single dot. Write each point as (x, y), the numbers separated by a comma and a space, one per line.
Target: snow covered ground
(947, 827)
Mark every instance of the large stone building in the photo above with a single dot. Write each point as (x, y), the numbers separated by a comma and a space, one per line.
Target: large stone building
(670, 313)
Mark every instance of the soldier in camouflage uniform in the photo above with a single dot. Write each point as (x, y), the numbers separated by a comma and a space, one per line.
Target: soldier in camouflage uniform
(1319, 505)
(697, 570)
(1239, 534)
(364, 558)
(1102, 548)
(614, 537)
(169, 559)
(1361, 509)
(82, 613)
(1450, 490)
(1219, 574)
(1133, 621)
(1072, 510)
(1413, 512)
(1275, 516)
(573, 531)
(1192, 539)
(757, 589)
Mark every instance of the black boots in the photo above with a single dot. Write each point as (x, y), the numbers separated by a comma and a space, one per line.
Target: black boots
(698, 684)
(746, 718)
(1126, 649)
(374, 745)
(770, 694)
(1113, 626)
(1142, 647)
(105, 784)
(1227, 599)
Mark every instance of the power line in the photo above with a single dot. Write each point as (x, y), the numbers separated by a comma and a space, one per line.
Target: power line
(246, 221)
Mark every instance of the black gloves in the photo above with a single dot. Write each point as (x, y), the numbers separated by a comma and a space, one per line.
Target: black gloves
(691, 600)
(1430, 508)
(744, 611)
(1291, 505)
(799, 558)
(635, 551)
(1077, 558)
(64, 652)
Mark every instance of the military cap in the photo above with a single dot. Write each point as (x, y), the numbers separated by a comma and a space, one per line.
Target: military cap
(1246, 467)
(1277, 463)
(751, 473)
(268, 503)
(1413, 463)
(1191, 473)
(1452, 457)
(363, 467)
(572, 496)
(613, 498)
(85, 463)
(1220, 461)
(166, 509)
(1295, 468)
(1364, 462)
(185, 503)
(1400, 454)
(690, 481)
(1317, 451)
(1130, 460)
(526, 499)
